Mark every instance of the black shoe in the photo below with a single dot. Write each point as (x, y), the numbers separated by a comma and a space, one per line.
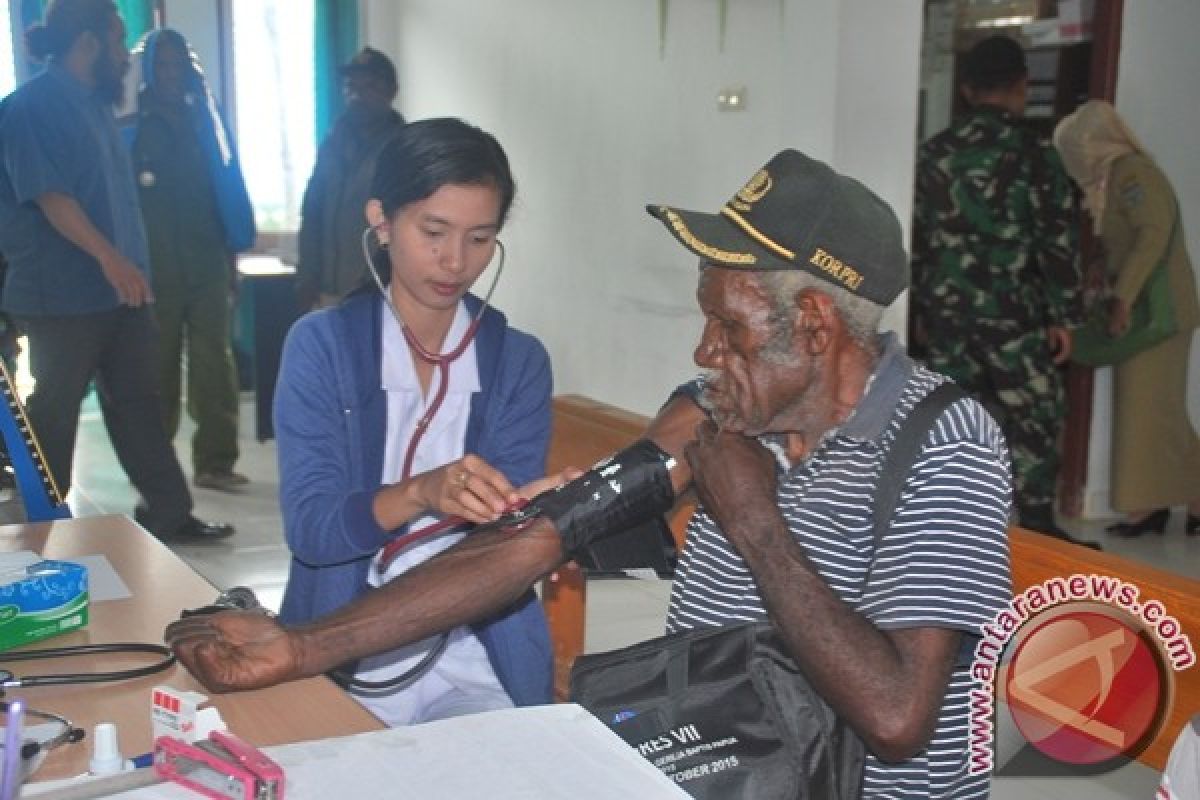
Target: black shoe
(199, 530)
(1154, 522)
(1059, 533)
(1040, 519)
(192, 529)
(1193, 525)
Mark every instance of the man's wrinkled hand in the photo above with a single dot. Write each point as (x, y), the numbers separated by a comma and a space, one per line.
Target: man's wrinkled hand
(235, 650)
(732, 473)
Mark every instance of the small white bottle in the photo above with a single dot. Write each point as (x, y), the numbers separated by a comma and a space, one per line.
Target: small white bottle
(106, 752)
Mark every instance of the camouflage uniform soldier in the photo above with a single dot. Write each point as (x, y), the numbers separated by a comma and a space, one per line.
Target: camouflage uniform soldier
(995, 272)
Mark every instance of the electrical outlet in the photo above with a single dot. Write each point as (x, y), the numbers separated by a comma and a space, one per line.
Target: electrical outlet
(732, 99)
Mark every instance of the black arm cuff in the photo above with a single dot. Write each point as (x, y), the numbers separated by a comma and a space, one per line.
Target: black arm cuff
(627, 488)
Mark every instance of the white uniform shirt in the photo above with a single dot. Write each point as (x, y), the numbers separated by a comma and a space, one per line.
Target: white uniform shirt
(462, 680)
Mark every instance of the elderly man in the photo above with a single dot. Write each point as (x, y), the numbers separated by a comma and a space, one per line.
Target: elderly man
(784, 442)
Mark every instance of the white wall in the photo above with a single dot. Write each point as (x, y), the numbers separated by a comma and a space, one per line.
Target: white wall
(198, 21)
(597, 124)
(1155, 94)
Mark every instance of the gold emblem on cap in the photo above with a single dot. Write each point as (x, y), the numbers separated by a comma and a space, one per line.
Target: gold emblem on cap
(755, 189)
(708, 251)
(835, 268)
(757, 235)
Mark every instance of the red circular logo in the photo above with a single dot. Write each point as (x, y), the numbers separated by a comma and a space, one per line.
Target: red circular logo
(1085, 687)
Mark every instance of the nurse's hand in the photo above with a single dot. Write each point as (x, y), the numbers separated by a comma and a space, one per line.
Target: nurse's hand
(469, 488)
(553, 481)
(235, 650)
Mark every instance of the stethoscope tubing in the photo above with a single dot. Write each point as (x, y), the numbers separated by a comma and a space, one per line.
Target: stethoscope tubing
(9, 680)
(345, 678)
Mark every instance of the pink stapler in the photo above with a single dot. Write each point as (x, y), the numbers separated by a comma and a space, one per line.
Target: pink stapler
(222, 766)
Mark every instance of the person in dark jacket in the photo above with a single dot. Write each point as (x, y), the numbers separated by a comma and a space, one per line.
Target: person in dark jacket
(197, 215)
(330, 255)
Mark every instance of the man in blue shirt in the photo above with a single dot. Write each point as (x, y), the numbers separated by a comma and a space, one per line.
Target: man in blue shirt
(77, 281)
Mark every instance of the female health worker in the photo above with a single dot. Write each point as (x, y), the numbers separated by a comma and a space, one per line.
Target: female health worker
(402, 407)
(1155, 451)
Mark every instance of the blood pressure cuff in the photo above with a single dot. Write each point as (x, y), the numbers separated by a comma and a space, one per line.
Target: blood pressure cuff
(627, 488)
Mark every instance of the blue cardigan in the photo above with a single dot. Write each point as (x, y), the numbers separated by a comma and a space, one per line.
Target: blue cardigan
(330, 423)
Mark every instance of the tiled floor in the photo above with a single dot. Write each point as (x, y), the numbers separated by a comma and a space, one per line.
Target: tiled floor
(620, 611)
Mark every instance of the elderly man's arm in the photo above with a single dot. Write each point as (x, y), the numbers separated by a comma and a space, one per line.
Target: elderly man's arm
(478, 577)
(887, 684)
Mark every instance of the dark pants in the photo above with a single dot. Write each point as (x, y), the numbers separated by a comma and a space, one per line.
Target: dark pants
(119, 350)
(195, 322)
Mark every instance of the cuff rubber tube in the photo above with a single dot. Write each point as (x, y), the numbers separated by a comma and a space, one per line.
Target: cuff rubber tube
(627, 488)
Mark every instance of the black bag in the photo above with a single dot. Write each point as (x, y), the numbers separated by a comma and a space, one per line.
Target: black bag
(725, 712)
(1151, 321)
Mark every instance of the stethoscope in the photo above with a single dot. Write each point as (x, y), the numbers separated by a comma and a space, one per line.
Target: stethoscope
(442, 361)
(9, 680)
(68, 733)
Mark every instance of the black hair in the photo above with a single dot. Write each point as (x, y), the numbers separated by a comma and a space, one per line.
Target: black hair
(431, 153)
(428, 154)
(64, 22)
(996, 62)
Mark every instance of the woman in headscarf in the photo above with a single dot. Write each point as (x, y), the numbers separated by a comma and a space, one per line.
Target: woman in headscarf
(1155, 449)
(198, 216)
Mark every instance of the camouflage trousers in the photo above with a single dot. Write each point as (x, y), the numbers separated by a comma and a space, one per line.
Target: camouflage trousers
(1012, 373)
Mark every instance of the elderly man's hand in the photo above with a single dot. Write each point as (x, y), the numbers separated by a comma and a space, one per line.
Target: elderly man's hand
(233, 650)
(733, 474)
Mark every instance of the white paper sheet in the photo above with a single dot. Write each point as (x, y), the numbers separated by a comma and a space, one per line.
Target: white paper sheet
(540, 753)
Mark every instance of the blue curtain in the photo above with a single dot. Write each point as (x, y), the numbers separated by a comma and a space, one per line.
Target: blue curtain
(335, 32)
(138, 16)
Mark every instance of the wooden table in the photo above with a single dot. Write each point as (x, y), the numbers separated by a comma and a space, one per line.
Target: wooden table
(161, 585)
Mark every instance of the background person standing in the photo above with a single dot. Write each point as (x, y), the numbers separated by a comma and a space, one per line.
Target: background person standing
(1155, 452)
(197, 215)
(995, 270)
(77, 284)
(330, 241)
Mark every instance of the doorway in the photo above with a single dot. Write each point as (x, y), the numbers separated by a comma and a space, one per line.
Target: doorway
(1067, 65)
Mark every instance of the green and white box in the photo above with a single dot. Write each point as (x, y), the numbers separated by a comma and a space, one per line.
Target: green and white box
(40, 598)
